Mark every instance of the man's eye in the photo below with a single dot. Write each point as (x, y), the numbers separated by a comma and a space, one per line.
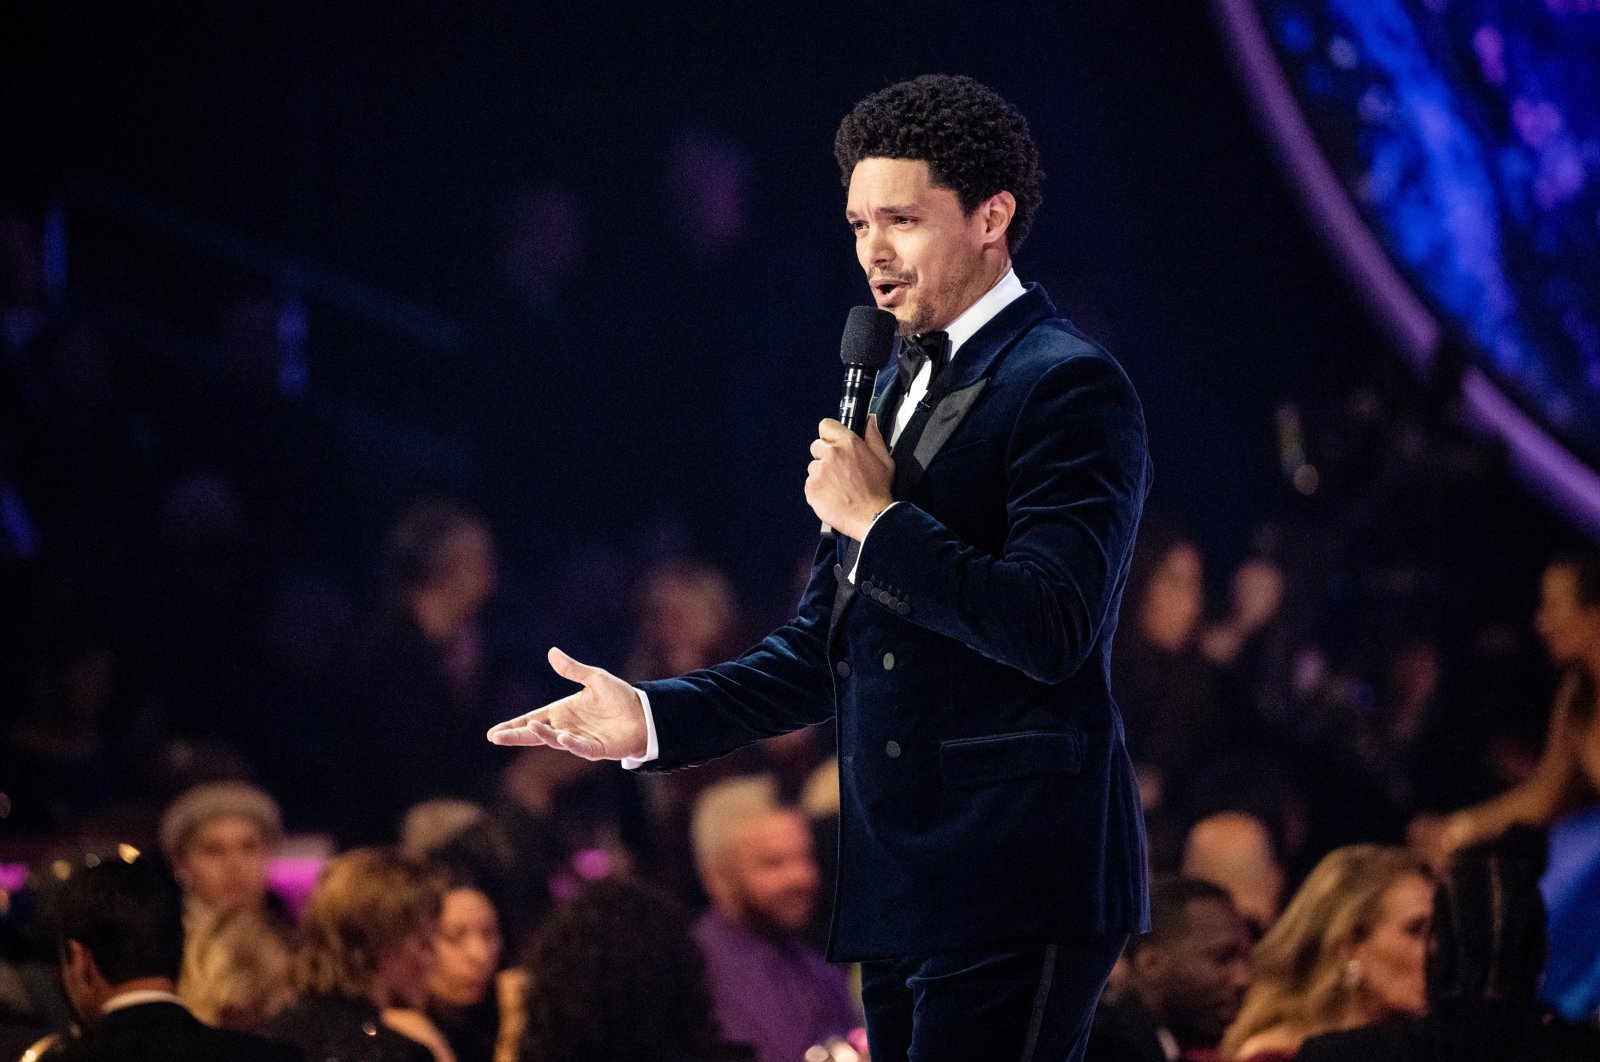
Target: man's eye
(902, 221)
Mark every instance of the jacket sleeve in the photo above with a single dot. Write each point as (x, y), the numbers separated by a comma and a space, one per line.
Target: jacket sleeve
(1077, 471)
(781, 684)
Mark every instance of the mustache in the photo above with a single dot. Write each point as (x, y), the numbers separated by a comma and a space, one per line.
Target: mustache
(889, 278)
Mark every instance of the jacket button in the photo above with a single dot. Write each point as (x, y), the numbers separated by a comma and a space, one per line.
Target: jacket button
(866, 587)
(888, 661)
(892, 750)
(902, 608)
(842, 669)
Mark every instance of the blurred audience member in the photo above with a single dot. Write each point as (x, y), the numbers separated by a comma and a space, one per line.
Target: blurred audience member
(120, 930)
(57, 759)
(1485, 956)
(1568, 771)
(769, 989)
(236, 970)
(219, 838)
(409, 734)
(687, 617)
(1347, 953)
(1255, 596)
(1234, 849)
(366, 945)
(463, 1007)
(432, 823)
(1183, 981)
(1162, 684)
(616, 977)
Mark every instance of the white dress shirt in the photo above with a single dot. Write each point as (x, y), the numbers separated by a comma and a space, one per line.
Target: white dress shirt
(1005, 291)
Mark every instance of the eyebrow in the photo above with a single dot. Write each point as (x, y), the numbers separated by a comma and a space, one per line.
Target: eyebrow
(907, 208)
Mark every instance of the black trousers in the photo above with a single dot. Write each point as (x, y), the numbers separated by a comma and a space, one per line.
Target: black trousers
(1021, 1003)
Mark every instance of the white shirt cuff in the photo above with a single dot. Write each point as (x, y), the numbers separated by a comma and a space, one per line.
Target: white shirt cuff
(853, 567)
(652, 747)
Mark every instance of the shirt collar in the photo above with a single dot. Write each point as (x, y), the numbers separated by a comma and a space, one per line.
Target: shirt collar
(1006, 290)
(134, 999)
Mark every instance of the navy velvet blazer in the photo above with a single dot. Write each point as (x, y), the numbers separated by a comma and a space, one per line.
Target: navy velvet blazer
(985, 792)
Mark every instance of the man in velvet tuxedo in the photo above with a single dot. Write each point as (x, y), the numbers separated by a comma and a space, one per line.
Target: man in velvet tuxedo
(958, 631)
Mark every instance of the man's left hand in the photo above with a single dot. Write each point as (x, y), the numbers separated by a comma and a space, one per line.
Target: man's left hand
(848, 480)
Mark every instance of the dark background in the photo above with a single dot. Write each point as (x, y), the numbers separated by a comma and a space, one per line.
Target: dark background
(381, 139)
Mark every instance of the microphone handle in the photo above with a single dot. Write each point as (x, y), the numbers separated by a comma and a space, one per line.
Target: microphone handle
(859, 381)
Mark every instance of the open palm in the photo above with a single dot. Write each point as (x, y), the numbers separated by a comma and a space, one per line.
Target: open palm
(602, 721)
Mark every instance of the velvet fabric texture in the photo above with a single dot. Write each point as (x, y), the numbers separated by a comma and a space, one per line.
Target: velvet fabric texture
(986, 794)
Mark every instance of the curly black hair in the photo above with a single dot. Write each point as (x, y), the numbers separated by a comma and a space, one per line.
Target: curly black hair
(974, 142)
(617, 976)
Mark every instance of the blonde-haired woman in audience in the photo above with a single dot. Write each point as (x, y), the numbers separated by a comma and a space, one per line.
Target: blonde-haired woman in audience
(366, 946)
(1348, 951)
(236, 969)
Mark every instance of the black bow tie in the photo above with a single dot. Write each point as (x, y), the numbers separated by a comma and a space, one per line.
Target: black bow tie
(915, 350)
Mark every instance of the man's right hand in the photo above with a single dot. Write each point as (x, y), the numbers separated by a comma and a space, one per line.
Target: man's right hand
(602, 721)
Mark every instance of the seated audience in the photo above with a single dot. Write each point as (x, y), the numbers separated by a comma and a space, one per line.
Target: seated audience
(366, 945)
(1183, 981)
(119, 929)
(1568, 771)
(218, 838)
(1234, 849)
(463, 1008)
(236, 970)
(616, 977)
(1486, 952)
(1347, 952)
(768, 988)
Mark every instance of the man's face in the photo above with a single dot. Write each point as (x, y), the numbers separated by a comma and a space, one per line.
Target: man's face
(925, 258)
(1205, 974)
(224, 863)
(771, 875)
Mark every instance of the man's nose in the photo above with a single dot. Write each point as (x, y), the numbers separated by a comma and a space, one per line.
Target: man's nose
(878, 250)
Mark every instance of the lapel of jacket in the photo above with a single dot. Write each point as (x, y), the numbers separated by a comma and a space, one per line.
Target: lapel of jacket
(974, 364)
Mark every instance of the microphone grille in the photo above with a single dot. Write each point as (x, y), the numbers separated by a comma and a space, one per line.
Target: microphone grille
(868, 337)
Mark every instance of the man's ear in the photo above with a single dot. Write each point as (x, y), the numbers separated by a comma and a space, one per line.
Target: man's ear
(78, 976)
(995, 214)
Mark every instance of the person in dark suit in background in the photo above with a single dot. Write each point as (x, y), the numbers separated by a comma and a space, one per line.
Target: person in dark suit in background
(958, 631)
(1184, 981)
(410, 689)
(119, 926)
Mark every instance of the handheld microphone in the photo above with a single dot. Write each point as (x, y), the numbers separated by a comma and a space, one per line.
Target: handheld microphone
(868, 341)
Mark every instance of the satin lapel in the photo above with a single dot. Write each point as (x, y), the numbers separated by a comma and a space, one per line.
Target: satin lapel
(942, 423)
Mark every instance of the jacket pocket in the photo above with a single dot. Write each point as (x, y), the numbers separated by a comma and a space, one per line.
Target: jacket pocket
(976, 761)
